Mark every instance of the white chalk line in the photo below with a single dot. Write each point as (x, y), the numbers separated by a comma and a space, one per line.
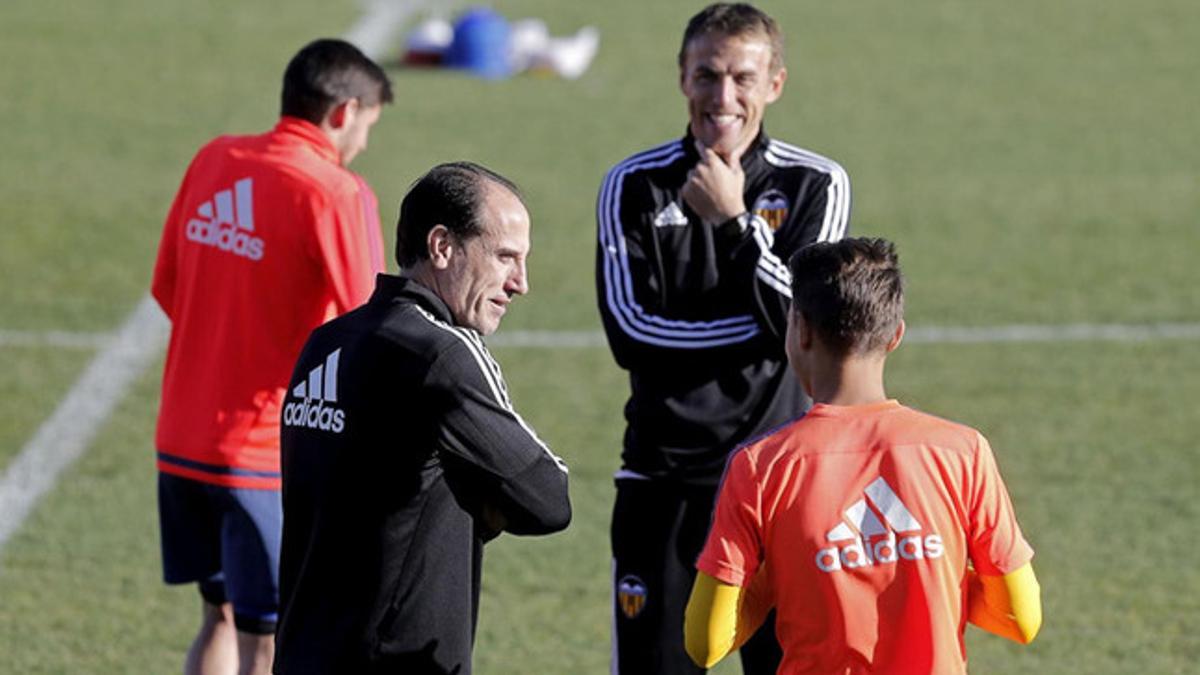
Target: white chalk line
(377, 31)
(583, 339)
(58, 339)
(1072, 332)
(66, 434)
(69, 430)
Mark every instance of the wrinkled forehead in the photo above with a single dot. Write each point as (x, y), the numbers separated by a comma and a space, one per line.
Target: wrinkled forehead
(504, 220)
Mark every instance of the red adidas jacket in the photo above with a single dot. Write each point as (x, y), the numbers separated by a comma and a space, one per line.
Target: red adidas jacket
(268, 237)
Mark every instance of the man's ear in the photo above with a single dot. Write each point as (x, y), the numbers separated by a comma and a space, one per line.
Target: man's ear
(897, 337)
(342, 114)
(778, 78)
(441, 246)
(804, 332)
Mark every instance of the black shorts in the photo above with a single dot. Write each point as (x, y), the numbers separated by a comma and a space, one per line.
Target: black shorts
(658, 530)
(227, 540)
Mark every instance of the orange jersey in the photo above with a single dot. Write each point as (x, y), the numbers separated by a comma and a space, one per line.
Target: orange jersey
(866, 517)
(268, 237)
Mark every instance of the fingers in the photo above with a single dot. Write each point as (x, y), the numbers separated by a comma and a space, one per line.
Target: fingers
(714, 187)
(714, 164)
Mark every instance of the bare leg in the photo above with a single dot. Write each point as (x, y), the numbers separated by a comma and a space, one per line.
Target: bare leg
(215, 649)
(256, 653)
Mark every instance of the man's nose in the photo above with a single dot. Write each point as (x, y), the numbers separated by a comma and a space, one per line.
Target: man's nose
(726, 92)
(518, 281)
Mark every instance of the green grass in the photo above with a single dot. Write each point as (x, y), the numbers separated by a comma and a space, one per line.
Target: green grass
(41, 376)
(1035, 162)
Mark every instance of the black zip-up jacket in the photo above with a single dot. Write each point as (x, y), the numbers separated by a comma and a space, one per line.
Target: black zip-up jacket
(697, 313)
(398, 434)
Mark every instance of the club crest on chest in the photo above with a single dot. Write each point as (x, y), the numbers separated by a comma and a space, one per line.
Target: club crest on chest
(772, 206)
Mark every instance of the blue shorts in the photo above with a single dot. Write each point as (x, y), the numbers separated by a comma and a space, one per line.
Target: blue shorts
(227, 540)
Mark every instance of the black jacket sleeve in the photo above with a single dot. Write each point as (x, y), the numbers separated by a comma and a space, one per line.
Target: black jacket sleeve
(632, 290)
(492, 459)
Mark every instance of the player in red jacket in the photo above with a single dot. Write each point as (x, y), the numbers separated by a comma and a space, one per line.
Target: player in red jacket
(268, 237)
(875, 531)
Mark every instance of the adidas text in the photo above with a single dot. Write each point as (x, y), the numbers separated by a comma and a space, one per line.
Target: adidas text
(314, 415)
(314, 392)
(870, 529)
(225, 237)
(882, 551)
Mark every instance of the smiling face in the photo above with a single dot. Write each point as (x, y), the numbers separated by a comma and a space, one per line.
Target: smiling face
(728, 83)
(483, 273)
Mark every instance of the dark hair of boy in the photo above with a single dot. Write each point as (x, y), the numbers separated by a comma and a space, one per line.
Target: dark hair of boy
(851, 293)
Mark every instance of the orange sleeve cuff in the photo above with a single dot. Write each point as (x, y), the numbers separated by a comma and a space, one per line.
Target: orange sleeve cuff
(1009, 606)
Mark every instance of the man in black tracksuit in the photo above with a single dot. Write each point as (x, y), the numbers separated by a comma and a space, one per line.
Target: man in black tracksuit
(693, 289)
(402, 453)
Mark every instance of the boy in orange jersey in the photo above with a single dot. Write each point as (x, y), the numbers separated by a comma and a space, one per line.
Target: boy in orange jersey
(875, 531)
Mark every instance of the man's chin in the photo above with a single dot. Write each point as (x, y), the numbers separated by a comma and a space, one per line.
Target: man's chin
(724, 145)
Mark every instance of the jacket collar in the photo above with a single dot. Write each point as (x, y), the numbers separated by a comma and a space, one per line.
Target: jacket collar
(390, 288)
(311, 135)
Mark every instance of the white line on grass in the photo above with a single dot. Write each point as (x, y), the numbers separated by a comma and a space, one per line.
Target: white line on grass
(65, 435)
(578, 339)
(377, 31)
(59, 339)
(1070, 332)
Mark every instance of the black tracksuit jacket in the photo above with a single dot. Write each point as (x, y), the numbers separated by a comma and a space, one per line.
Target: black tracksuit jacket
(697, 314)
(397, 431)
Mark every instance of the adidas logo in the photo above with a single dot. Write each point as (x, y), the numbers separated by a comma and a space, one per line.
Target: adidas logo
(672, 215)
(869, 541)
(225, 220)
(320, 388)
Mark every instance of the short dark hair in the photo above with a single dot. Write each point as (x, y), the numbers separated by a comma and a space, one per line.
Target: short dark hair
(734, 19)
(850, 292)
(449, 194)
(327, 72)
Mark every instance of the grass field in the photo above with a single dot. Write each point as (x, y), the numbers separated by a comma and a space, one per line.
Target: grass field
(1036, 162)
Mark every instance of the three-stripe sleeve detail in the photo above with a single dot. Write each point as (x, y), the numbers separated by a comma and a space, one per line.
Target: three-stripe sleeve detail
(837, 194)
(492, 376)
(770, 269)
